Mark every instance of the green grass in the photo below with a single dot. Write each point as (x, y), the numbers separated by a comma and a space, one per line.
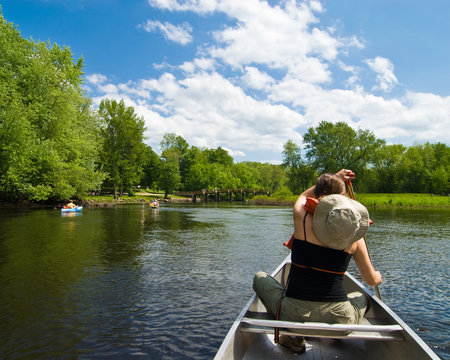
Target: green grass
(373, 200)
(403, 200)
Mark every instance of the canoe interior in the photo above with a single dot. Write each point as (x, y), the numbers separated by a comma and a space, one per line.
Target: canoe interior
(242, 343)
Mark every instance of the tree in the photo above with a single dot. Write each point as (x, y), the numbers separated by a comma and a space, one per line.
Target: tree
(48, 135)
(220, 156)
(151, 168)
(439, 181)
(385, 174)
(331, 147)
(178, 147)
(169, 177)
(300, 174)
(412, 171)
(196, 176)
(122, 132)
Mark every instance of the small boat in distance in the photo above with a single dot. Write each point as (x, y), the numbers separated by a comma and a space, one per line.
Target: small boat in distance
(73, 209)
(382, 335)
(154, 204)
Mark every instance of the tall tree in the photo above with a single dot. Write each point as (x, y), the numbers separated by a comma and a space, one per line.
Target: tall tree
(385, 174)
(169, 177)
(48, 143)
(178, 148)
(331, 147)
(123, 134)
(151, 168)
(300, 174)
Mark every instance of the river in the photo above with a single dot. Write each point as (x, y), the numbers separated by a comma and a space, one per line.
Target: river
(167, 283)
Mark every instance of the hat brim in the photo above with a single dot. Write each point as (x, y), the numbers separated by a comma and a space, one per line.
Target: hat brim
(320, 226)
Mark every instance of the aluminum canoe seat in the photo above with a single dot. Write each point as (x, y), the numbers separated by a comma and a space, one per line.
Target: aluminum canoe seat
(366, 330)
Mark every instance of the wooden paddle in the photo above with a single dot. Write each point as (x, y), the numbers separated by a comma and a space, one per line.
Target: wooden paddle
(352, 195)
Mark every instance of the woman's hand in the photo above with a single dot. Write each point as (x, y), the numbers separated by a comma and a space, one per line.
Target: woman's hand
(346, 174)
(378, 278)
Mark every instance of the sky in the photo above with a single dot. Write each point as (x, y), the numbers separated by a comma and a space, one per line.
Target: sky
(249, 75)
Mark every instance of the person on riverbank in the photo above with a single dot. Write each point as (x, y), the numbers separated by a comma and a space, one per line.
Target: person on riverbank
(328, 231)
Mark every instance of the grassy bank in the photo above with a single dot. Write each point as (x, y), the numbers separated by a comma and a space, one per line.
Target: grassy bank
(138, 198)
(404, 200)
(374, 200)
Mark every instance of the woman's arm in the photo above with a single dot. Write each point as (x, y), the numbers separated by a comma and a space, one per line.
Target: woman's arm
(362, 260)
(298, 206)
(344, 174)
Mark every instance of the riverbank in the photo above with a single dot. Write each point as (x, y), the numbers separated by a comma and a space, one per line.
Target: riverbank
(99, 201)
(138, 198)
(382, 201)
(414, 201)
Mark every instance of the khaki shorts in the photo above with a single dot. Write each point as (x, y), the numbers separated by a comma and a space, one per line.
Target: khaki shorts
(270, 291)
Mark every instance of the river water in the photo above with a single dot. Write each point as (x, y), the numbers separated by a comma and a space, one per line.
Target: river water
(141, 283)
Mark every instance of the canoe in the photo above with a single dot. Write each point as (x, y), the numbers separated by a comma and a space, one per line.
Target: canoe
(75, 209)
(382, 335)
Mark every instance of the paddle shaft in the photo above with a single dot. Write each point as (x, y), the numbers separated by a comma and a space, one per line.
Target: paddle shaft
(352, 195)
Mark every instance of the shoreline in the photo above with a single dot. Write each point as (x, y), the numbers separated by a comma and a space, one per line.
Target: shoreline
(371, 201)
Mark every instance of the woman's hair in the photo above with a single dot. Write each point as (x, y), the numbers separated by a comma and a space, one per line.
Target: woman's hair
(328, 184)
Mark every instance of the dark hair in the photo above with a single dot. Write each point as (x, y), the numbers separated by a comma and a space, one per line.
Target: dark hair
(328, 184)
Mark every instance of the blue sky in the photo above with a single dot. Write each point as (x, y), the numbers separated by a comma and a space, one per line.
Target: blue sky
(248, 75)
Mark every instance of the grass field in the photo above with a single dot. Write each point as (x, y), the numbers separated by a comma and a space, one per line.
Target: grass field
(375, 200)
(404, 200)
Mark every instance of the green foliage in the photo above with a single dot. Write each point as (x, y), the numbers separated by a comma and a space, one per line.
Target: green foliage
(379, 167)
(337, 146)
(301, 175)
(122, 133)
(46, 127)
(151, 168)
(169, 177)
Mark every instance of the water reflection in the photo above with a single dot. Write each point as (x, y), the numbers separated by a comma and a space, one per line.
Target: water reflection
(167, 283)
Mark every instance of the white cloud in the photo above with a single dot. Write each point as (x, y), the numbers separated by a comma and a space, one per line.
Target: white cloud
(180, 34)
(280, 38)
(210, 111)
(256, 79)
(201, 6)
(201, 64)
(385, 73)
(415, 117)
(301, 69)
(96, 79)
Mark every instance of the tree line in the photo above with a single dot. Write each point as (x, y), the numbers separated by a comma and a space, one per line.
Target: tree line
(380, 167)
(54, 145)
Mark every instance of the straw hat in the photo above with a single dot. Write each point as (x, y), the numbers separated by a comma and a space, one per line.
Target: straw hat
(339, 221)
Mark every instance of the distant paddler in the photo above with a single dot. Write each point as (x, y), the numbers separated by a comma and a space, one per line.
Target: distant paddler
(70, 205)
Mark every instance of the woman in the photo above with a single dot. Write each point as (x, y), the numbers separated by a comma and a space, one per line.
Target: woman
(324, 243)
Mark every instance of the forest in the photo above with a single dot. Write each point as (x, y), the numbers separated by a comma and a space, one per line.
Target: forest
(55, 145)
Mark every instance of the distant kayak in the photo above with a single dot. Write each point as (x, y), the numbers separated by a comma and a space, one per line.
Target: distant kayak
(154, 204)
(75, 209)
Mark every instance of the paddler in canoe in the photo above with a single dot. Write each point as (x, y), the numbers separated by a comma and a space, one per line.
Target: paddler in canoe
(70, 205)
(329, 230)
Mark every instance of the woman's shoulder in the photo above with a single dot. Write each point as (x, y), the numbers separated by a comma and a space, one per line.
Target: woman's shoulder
(299, 206)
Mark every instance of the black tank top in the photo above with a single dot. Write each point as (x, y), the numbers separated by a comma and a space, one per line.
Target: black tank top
(317, 272)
